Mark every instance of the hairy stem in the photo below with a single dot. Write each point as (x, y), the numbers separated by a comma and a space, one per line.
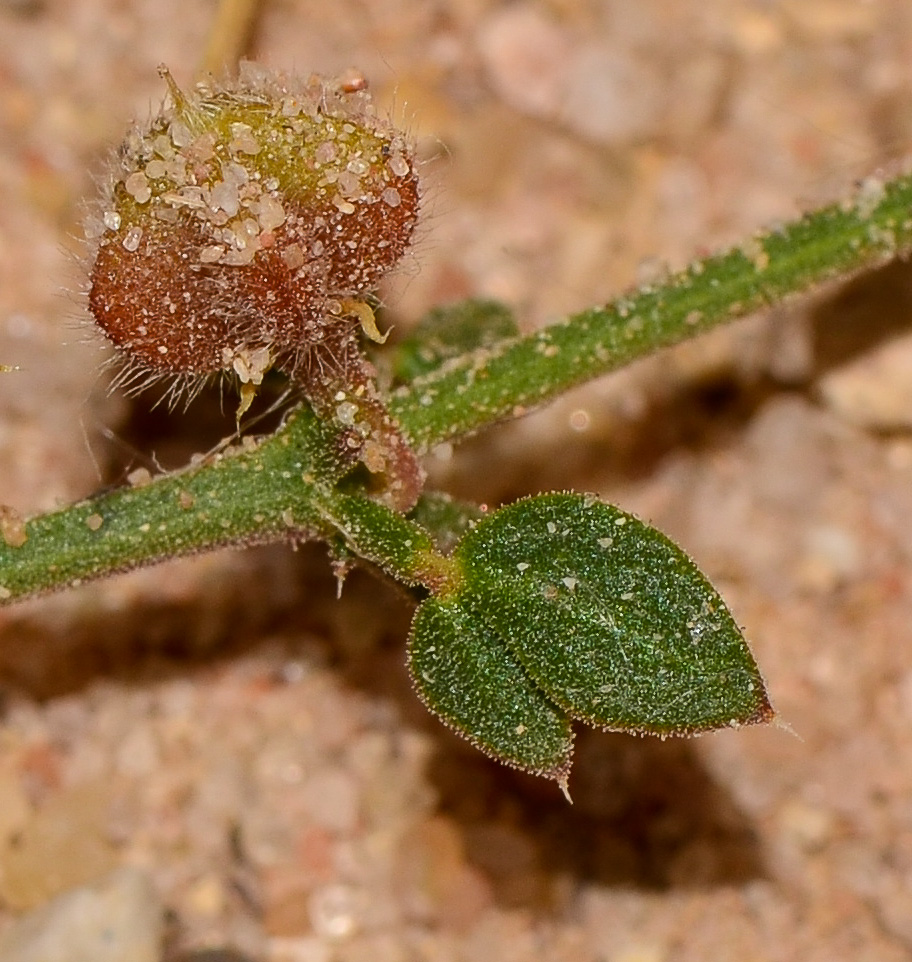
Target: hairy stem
(256, 494)
(507, 380)
(280, 489)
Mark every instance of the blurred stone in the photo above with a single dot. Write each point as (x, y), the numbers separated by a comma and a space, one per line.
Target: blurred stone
(525, 53)
(14, 804)
(809, 827)
(875, 390)
(611, 95)
(641, 952)
(831, 19)
(212, 955)
(61, 846)
(118, 920)
(598, 89)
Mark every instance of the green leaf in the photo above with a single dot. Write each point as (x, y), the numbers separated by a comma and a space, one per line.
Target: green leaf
(468, 677)
(613, 621)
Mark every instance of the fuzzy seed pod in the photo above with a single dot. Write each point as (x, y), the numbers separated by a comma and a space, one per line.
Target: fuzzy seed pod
(243, 229)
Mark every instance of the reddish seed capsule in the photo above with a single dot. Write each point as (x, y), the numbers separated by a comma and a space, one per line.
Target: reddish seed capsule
(243, 230)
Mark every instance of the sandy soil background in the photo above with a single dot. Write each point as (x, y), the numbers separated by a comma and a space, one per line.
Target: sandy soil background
(235, 761)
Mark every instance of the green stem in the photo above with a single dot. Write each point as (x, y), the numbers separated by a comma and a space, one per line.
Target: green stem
(266, 493)
(506, 381)
(281, 488)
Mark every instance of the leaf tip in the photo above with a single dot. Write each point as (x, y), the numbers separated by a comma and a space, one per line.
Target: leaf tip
(762, 711)
(766, 714)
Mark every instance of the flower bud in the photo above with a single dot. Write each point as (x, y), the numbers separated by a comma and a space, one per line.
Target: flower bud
(244, 228)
